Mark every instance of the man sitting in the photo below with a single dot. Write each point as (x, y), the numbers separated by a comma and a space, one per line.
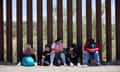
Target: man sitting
(72, 56)
(91, 51)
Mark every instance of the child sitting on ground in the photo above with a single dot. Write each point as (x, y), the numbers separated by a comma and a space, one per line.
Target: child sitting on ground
(46, 56)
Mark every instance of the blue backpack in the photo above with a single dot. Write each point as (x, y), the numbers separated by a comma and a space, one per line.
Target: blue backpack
(28, 61)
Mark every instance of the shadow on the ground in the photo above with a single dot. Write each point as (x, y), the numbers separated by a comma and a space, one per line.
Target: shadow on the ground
(7, 63)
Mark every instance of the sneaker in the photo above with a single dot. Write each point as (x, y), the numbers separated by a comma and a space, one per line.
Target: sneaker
(85, 65)
(35, 64)
(71, 64)
(19, 64)
(65, 64)
(78, 64)
(51, 64)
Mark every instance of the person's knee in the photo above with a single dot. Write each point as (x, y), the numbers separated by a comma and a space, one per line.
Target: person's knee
(86, 53)
(53, 54)
(97, 53)
(62, 55)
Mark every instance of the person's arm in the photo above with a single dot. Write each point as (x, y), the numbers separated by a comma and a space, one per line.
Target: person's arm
(62, 47)
(48, 53)
(43, 55)
(97, 47)
(53, 48)
(86, 48)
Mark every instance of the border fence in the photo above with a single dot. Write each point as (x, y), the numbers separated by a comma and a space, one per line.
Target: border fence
(29, 27)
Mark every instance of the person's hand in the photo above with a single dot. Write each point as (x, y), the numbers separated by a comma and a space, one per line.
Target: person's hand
(43, 57)
(61, 49)
(92, 50)
(72, 56)
(52, 52)
(48, 54)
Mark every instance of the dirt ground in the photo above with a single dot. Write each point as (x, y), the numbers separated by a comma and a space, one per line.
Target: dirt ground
(14, 68)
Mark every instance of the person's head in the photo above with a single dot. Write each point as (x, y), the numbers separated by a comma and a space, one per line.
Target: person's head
(58, 41)
(72, 47)
(91, 40)
(28, 50)
(47, 47)
(28, 46)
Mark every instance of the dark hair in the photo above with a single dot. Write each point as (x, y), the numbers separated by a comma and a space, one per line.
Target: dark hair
(73, 45)
(58, 39)
(91, 40)
(47, 45)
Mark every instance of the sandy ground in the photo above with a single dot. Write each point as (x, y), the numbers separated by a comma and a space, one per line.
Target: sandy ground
(14, 68)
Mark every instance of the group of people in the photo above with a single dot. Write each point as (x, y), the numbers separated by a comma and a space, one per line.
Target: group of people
(57, 54)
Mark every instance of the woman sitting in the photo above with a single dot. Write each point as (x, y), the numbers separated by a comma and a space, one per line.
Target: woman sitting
(28, 57)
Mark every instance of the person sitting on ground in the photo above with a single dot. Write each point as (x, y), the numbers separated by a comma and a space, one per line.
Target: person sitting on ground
(58, 49)
(72, 56)
(91, 51)
(46, 56)
(28, 57)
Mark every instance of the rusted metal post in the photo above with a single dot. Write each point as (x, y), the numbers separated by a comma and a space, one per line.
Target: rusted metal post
(79, 27)
(89, 19)
(108, 31)
(1, 32)
(29, 22)
(49, 22)
(99, 25)
(69, 23)
(117, 15)
(39, 29)
(19, 30)
(9, 29)
(59, 19)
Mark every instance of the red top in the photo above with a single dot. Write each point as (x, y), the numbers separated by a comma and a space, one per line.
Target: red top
(87, 49)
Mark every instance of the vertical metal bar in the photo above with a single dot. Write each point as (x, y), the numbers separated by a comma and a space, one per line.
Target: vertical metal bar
(9, 29)
(117, 14)
(39, 29)
(29, 22)
(108, 31)
(19, 30)
(69, 23)
(99, 25)
(88, 19)
(1, 32)
(49, 22)
(59, 19)
(79, 27)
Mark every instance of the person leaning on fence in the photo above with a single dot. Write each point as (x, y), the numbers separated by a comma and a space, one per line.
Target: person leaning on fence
(58, 49)
(46, 56)
(72, 56)
(91, 51)
(28, 57)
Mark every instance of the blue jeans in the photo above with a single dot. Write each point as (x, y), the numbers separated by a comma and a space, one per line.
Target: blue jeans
(62, 55)
(88, 56)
